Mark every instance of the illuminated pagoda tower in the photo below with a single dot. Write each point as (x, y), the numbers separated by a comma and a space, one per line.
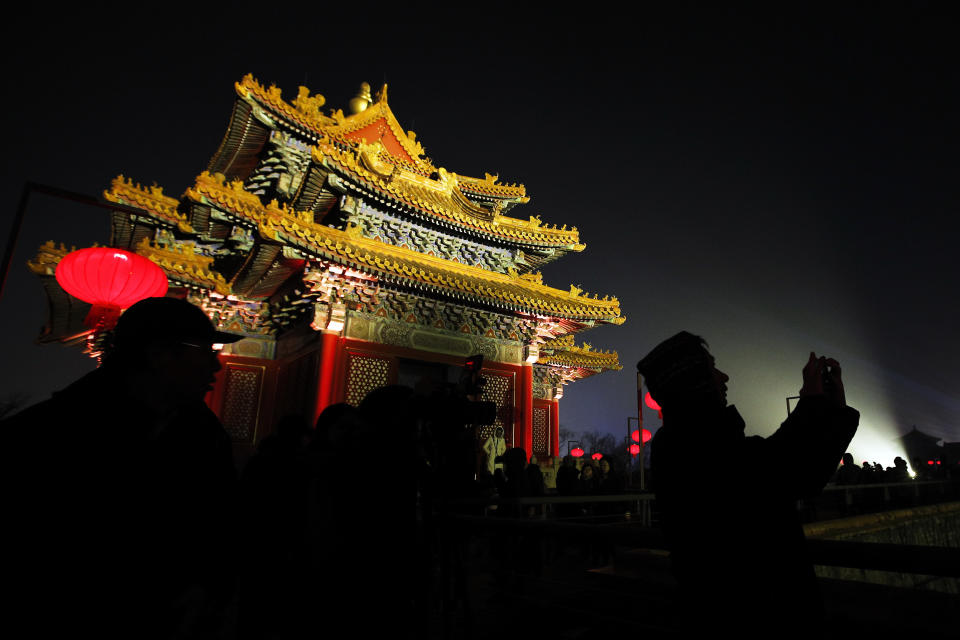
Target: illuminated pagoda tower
(350, 261)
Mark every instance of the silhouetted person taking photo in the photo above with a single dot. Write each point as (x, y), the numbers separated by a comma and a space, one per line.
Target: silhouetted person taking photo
(123, 489)
(737, 547)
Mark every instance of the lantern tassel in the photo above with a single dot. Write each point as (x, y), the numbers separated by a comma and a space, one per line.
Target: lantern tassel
(102, 317)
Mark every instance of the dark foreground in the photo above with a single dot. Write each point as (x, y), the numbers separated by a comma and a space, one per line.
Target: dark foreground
(574, 596)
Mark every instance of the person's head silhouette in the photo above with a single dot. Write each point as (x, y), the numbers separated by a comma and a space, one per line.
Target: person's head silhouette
(166, 345)
(681, 372)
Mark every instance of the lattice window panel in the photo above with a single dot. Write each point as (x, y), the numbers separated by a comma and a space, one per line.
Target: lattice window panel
(364, 375)
(541, 431)
(241, 402)
(499, 390)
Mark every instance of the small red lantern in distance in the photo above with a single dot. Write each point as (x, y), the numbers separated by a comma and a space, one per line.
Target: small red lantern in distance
(110, 280)
(651, 402)
(596, 456)
(576, 452)
(635, 448)
(635, 436)
(648, 399)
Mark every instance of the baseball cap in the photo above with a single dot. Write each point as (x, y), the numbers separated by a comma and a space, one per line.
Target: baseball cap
(154, 320)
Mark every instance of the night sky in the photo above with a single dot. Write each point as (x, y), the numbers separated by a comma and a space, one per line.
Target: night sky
(777, 182)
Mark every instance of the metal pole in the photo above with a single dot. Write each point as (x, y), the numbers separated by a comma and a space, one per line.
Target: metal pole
(56, 192)
(14, 234)
(640, 427)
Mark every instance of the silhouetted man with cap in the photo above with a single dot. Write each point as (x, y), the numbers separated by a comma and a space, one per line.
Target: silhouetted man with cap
(737, 546)
(123, 488)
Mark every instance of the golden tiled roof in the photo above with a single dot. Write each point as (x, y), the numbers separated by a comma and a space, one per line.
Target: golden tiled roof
(564, 352)
(404, 169)
(442, 198)
(488, 185)
(303, 112)
(182, 263)
(151, 199)
(507, 291)
(47, 258)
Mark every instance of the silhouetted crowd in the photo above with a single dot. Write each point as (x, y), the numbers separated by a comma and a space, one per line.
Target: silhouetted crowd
(126, 518)
(849, 473)
(330, 528)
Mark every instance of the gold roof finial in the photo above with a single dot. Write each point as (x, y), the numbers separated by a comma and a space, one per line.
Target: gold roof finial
(362, 100)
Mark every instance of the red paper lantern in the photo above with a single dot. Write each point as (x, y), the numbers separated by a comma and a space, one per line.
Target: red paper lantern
(651, 402)
(646, 435)
(110, 280)
(576, 452)
(635, 448)
(596, 456)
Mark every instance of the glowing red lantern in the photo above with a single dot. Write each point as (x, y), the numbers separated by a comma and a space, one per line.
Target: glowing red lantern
(576, 452)
(635, 436)
(110, 280)
(635, 448)
(651, 402)
(596, 456)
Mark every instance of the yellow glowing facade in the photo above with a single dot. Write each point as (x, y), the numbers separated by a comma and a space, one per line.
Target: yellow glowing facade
(345, 255)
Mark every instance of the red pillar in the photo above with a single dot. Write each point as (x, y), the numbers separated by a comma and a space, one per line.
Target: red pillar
(328, 361)
(525, 437)
(555, 428)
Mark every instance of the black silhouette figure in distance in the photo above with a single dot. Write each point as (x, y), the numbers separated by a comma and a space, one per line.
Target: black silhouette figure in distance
(568, 484)
(123, 490)
(849, 472)
(737, 547)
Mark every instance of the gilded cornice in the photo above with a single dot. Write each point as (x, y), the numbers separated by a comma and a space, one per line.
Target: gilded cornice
(564, 352)
(488, 185)
(151, 200)
(277, 223)
(304, 112)
(47, 258)
(182, 262)
(442, 198)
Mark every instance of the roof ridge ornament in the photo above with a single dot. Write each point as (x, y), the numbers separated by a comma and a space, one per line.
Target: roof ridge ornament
(308, 104)
(362, 100)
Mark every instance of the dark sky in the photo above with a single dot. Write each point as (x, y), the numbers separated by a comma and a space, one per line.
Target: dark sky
(776, 182)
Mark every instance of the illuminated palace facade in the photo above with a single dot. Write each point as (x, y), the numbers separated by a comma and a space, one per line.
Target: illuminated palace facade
(349, 261)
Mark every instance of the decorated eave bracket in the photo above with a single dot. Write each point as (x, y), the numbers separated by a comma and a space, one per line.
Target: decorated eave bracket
(276, 224)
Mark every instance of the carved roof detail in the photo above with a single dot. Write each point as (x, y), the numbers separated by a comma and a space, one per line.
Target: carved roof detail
(48, 257)
(150, 199)
(182, 263)
(442, 198)
(509, 291)
(374, 139)
(563, 352)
